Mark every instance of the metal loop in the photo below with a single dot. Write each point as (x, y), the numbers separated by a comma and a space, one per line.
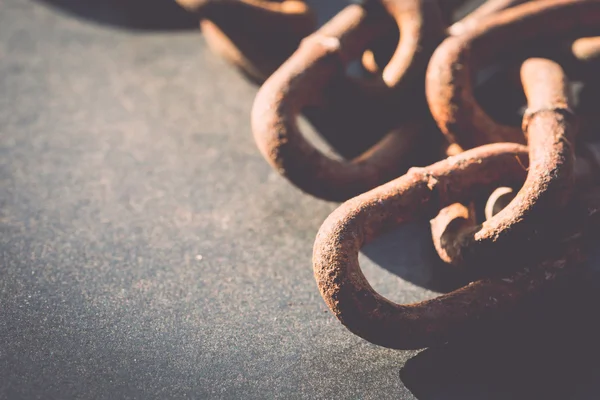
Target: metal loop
(417, 195)
(449, 225)
(449, 87)
(550, 127)
(321, 59)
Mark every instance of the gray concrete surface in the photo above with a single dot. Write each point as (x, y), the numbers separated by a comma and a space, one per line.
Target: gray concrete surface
(147, 251)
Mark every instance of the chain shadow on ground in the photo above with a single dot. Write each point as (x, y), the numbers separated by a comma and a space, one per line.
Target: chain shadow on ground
(156, 15)
(415, 260)
(548, 349)
(151, 15)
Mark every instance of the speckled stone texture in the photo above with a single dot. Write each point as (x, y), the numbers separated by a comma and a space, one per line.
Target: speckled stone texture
(147, 251)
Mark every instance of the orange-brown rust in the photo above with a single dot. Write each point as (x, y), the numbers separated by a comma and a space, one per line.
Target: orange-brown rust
(256, 36)
(451, 222)
(449, 79)
(449, 226)
(321, 59)
(550, 127)
(372, 59)
(420, 194)
(421, 29)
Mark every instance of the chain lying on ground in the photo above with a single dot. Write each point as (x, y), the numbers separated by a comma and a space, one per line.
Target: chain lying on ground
(419, 195)
(321, 60)
(549, 126)
(424, 100)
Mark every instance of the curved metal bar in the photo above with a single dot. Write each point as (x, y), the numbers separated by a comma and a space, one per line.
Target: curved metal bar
(322, 58)
(550, 127)
(449, 87)
(419, 194)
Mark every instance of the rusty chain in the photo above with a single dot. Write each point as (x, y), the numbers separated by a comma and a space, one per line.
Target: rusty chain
(511, 207)
(421, 194)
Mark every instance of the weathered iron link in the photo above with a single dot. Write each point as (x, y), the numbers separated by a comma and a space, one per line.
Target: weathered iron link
(419, 194)
(501, 94)
(550, 126)
(317, 69)
(256, 36)
(517, 250)
(320, 61)
(372, 60)
(587, 174)
(448, 226)
(452, 224)
(450, 74)
(358, 221)
(381, 51)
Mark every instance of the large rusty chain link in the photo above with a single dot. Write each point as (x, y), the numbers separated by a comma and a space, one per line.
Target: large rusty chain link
(431, 131)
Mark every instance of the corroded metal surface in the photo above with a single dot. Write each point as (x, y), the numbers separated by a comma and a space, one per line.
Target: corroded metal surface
(418, 195)
(395, 93)
(450, 225)
(449, 82)
(423, 65)
(550, 126)
(321, 58)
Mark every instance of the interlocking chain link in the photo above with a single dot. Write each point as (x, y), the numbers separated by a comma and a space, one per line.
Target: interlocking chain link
(426, 94)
